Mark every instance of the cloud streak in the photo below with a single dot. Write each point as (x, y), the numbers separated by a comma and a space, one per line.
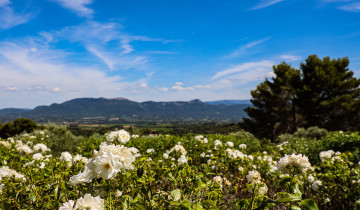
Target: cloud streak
(106, 41)
(352, 7)
(265, 64)
(245, 48)
(77, 6)
(265, 3)
(8, 18)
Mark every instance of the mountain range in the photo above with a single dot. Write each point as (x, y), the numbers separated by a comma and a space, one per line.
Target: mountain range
(121, 110)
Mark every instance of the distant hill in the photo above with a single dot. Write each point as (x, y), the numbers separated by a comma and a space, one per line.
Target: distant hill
(229, 102)
(102, 110)
(12, 111)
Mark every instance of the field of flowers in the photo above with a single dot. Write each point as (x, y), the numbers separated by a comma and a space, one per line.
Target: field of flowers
(127, 171)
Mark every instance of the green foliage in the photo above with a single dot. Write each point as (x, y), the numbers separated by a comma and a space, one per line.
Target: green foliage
(311, 132)
(61, 139)
(274, 110)
(322, 93)
(329, 94)
(16, 127)
(160, 183)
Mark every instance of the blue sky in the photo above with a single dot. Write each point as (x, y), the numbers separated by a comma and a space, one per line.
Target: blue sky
(161, 50)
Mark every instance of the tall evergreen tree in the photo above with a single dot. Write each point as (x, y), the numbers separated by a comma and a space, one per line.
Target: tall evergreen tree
(274, 110)
(329, 94)
(322, 93)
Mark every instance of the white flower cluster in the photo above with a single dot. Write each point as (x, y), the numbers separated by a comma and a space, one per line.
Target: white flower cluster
(281, 146)
(316, 185)
(38, 156)
(6, 144)
(330, 155)
(266, 159)
(217, 143)
(178, 148)
(66, 157)
(5, 171)
(182, 160)
(118, 136)
(87, 202)
(242, 146)
(201, 139)
(253, 177)
(234, 154)
(229, 144)
(299, 162)
(42, 148)
(151, 150)
(324, 155)
(23, 148)
(79, 158)
(106, 163)
(218, 180)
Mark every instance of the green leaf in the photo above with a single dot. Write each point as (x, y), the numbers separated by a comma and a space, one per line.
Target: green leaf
(56, 192)
(174, 203)
(295, 208)
(176, 194)
(139, 207)
(287, 197)
(309, 204)
(295, 189)
(285, 180)
(186, 203)
(140, 172)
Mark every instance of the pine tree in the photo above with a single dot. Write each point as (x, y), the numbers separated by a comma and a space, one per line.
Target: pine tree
(322, 93)
(329, 94)
(274, 110)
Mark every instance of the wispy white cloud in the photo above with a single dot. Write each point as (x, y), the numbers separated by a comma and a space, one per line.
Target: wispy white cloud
(290, 58)
(345, 5)
(107, 41)
(56, 90)
(245, 67)
(8, 18)
(3, 3)
(331, 1)
(164, 89)
(109, 62)
(180, 88)
(265, 3)
(11, 88)
(77, 6)
(352, 7)
(242, 50)
(45, 71)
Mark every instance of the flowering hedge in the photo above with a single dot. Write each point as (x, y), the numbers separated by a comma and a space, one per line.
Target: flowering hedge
(234, 171)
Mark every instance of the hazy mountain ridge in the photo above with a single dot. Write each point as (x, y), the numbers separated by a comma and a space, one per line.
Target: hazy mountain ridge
(124, 109)
(229, 102)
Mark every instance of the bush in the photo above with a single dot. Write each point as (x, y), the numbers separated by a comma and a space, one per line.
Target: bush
(18, 126)
(311, 132)
(61, 139)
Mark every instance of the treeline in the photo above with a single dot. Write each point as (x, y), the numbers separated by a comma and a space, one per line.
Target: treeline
(322, 92)
(18, 126)
(178, 129)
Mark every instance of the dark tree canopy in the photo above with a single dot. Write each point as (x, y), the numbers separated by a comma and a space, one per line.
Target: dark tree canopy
(18, 126)
(329, 94)
(323, 92)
